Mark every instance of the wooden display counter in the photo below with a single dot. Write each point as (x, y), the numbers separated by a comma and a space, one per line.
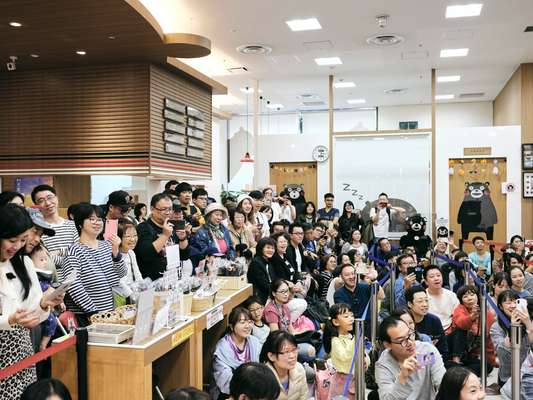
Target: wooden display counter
(175, 356)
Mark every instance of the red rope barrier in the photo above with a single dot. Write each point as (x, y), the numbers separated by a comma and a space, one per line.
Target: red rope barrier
(41, 355)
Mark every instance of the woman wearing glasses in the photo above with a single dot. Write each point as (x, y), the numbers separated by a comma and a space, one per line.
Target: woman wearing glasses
(98, 264)
(236, 347)
(280, 353)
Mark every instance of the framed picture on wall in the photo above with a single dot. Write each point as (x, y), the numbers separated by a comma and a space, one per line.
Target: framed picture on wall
(527, 184)
(527, 156)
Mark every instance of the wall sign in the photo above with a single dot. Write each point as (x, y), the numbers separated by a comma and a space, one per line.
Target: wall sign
(184, 129)
(477, 151)
(527, 184)
(527, 156)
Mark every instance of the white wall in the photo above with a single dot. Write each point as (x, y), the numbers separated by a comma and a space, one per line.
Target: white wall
(504, 141)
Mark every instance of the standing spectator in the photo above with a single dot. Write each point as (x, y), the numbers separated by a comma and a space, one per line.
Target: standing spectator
(119, 205)
(254, 381)
(199, 199)
(21, 299)
(308, 216)
(261, 272)
(154, 235)
(349, 221)
(398, 374)
(128, 240)
(442, 301)
(382, 215)
(140, 211)
(98, 264)
(279, 353)
(237, 346)
(480, 257)
(329, 212)
(171, 184)
(268, 200)
(287, 210)
(45, 198)
(261, 219)
(46, 389)
(213, 238)
(241, 233)
(418, 304)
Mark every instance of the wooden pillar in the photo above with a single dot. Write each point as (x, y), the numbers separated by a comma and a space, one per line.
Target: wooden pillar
(330, 120)
(433, 153)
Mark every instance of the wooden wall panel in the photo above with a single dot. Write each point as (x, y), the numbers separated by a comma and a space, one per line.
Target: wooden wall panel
(507, 105)
(527, 137)
(75, 120)
(166, 84)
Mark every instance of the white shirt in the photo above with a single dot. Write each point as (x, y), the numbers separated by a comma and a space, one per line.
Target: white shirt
(263, 220)
(442, 306)
(276, 211)
(286, 213)
(12, 293)
(381, 229)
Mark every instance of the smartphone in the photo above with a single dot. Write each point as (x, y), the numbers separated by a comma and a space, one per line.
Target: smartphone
(179, 224)
(425, 360)
(522, 305)
(411, 270)
(111, 228)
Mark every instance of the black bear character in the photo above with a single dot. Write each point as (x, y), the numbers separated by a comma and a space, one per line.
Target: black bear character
(297, 196)
(416, 235)
(477, 212)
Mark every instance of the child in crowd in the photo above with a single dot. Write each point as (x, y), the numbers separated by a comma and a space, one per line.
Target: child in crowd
(45, 272)
(260, 329)
(339, 342)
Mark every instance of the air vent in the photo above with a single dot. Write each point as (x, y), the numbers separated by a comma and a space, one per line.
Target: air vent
(471, 95)
(313, 103)
(254, 49)
(385, 39)
(396, 91)
(529, 28)
(308, 96)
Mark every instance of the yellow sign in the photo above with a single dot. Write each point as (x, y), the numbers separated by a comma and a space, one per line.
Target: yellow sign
(477, 151)
(182, 335)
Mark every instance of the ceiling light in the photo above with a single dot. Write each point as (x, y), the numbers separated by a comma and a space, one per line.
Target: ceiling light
(15, 24)
(34, 55)
(453, 53)
(466, 10)
(366, 108)
(328, 61)
(340, 85)
(449, 78)
(444, 97)
(274, 106)
(81, 52)
(356, 101)
(249, 90)
(309, 24)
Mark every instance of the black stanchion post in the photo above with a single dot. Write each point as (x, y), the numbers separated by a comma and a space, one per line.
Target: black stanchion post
(359, 362)
(483, 319)
(515, 361)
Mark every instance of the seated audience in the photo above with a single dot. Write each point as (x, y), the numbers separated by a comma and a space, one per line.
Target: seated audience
(308, 216)
(500, 282)
(406, 278)
(526, 380)
(241, 233)
(282, 266)
(399, 375)
(261, 271)
(280, 353)
(354, 243)
(405, 315)
(460, 383)
(213, 238)
(98, 264)
(442, 301)
(260, 329)
(328, 264)
(254, 381)
(517, 276)
(237, 346)
(187, 393)
(464, 338)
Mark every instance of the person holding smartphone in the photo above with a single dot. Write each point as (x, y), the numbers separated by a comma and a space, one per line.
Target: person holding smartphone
(22, 306)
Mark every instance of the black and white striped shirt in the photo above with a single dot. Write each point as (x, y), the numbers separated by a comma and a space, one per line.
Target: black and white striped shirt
(97, 274)
(66, 234)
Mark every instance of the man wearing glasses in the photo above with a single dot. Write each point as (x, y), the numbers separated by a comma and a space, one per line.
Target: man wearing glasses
(118, 205)
(407, 369)
(155, 234)
(46, 200)
(296, 253)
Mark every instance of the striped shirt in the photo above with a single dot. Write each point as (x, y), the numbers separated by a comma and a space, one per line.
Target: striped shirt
(66, 234)
(97, 275)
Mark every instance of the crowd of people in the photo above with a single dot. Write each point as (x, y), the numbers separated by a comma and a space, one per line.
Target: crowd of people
(313, 272)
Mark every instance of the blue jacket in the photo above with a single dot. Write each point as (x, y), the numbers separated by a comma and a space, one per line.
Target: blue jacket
(203, 244)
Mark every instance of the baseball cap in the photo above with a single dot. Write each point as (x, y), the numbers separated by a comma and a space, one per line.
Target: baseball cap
(120, 198)
(38, 220)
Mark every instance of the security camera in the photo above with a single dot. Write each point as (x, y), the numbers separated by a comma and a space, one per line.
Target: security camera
(12, 65)
(382, 20)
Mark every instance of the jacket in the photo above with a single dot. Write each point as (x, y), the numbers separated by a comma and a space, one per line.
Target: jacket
(291, 256)
(203, 244)
(347, 225)
(297, 383)
(284, 271)
(261, 274)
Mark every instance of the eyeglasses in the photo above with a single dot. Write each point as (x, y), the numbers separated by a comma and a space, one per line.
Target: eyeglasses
(297, 233)
(47, 199)
(245, 322)
(421, 301)
(284, 291)
(405, 342)
(287, 352)
(95, 220)
(164, 210)
(254, 310)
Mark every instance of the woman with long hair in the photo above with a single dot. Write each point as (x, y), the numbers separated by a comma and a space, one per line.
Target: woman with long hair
(354, 243)
(22, 303)
(349, 221)
(460, 383)
(308, 216)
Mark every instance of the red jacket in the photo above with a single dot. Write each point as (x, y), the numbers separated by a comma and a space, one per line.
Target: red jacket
(461, 320)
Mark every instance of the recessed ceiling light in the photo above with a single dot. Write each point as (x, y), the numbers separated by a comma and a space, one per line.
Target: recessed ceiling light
(309, 24)
(34, 55)
(465, 10)
(15, 24)
(340, 85)
(81, 52)
(444, 97)
(449, 78)
(249, 90)
(356, 101)
(328, 61)
(274, 106)
(453, 53)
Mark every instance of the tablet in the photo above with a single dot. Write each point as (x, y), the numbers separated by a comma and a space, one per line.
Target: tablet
(62, 289)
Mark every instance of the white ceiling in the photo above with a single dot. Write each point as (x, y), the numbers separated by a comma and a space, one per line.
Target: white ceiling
(496, 40)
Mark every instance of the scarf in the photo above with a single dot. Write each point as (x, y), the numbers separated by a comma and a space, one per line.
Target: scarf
(215, 230)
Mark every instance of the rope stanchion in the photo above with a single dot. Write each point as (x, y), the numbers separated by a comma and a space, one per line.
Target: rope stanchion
(483, 328)
(41, 355)
(374, 288)
(516, 339)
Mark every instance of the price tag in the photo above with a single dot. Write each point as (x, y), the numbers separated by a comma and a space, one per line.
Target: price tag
(182, 335)
(215, 316)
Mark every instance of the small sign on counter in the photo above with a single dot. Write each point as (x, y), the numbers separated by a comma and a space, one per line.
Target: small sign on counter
(215, 316)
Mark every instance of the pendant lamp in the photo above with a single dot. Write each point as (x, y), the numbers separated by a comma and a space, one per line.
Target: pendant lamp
(247, 158)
